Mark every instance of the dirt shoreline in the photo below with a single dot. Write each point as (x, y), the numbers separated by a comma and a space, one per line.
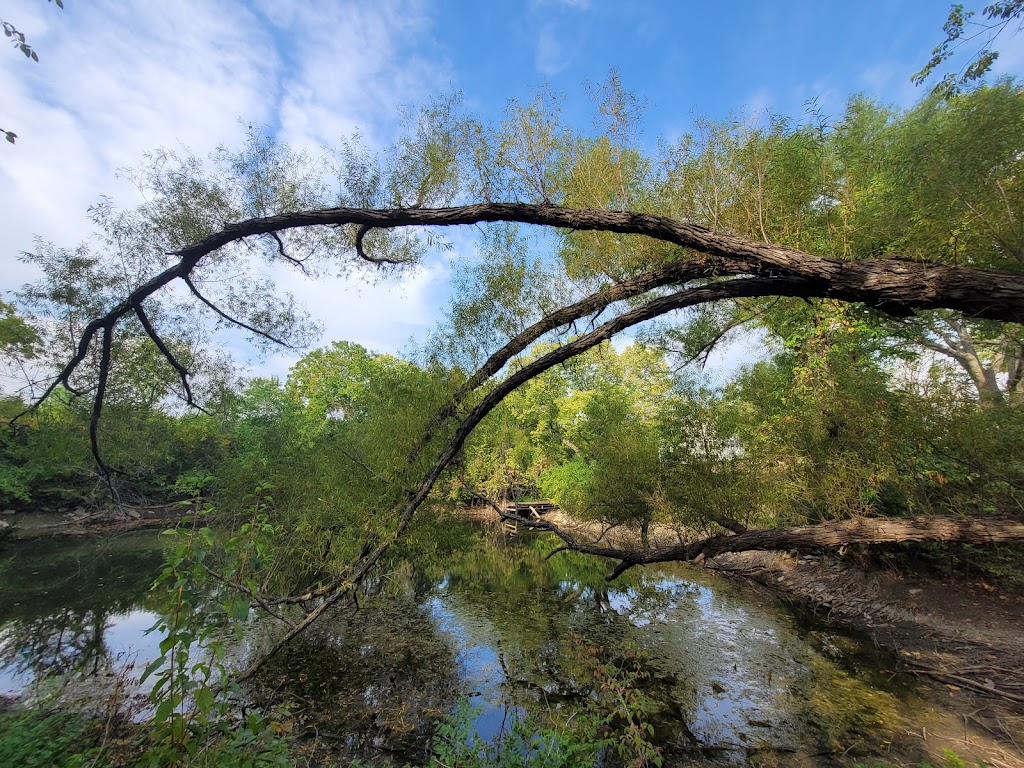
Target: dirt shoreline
(963, 640)
(37, 525)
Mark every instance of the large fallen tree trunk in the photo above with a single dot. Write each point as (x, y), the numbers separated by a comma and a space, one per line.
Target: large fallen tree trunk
(860, 530)
(873, 530)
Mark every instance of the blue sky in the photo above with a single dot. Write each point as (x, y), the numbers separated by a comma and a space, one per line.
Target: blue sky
(119, 77)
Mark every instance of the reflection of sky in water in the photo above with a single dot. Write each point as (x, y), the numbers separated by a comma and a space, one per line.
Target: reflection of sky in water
(127, 637)
(730, 666)
(735, 665)
(126, 645)
(475, 644)
(13, 679)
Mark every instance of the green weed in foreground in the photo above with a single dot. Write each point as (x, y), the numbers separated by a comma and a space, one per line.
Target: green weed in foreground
(42, 740)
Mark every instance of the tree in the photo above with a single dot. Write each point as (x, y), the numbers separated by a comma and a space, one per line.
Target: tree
(619, 268)
(938, 181)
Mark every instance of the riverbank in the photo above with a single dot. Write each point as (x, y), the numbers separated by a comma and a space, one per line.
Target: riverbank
(962, 638)
(79, 521)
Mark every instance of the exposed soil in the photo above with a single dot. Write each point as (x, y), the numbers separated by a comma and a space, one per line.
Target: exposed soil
(82, 522)
(964, 639)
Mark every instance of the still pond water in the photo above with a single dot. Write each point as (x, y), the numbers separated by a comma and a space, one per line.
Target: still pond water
(732, 677)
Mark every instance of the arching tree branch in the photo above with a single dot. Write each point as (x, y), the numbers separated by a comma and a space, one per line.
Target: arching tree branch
(736, 268)
(893, 285)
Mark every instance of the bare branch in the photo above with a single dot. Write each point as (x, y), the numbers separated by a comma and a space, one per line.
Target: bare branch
(300, 263)
(259, 599)
(708, 347)
(232, 320)
(169, 356)
(360, 234)
(895, 286)
(555, 551)
(106, 345)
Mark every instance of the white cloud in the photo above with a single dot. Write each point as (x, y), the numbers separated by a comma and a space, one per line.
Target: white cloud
(113, 82)
(349, 65)
(117, 79)
(550, 57)
(381, 316)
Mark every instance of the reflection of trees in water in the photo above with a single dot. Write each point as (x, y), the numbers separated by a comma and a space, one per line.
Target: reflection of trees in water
(69, 640)
(380, 676)
(57, 598)
(533, 612)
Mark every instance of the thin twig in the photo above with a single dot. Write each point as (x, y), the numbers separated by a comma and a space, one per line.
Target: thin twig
(166, 352)
(232, 320)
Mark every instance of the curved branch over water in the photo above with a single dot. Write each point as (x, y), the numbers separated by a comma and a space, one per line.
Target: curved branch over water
(736, 267)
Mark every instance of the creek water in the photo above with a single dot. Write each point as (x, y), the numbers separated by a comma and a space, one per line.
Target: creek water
(726, 675)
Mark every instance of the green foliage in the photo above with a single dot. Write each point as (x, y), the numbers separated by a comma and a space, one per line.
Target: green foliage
(334, 441)
(193, 719)
(42, 740)
(526, 744)
(999, 16)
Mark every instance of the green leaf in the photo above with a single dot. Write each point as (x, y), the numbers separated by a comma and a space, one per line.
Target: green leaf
(239, 609)
(163, 711)
(152, 667)
(204, 700)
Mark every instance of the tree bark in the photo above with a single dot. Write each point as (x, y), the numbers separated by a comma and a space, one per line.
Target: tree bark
(872, 530)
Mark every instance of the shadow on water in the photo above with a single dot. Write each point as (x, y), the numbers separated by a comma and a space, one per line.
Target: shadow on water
(733, 679)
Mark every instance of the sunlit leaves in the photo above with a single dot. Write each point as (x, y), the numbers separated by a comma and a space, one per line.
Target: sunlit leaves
(960, 30)
(531, 147)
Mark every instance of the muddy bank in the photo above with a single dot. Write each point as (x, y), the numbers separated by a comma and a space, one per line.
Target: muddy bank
(963, 639)
(82, 522)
